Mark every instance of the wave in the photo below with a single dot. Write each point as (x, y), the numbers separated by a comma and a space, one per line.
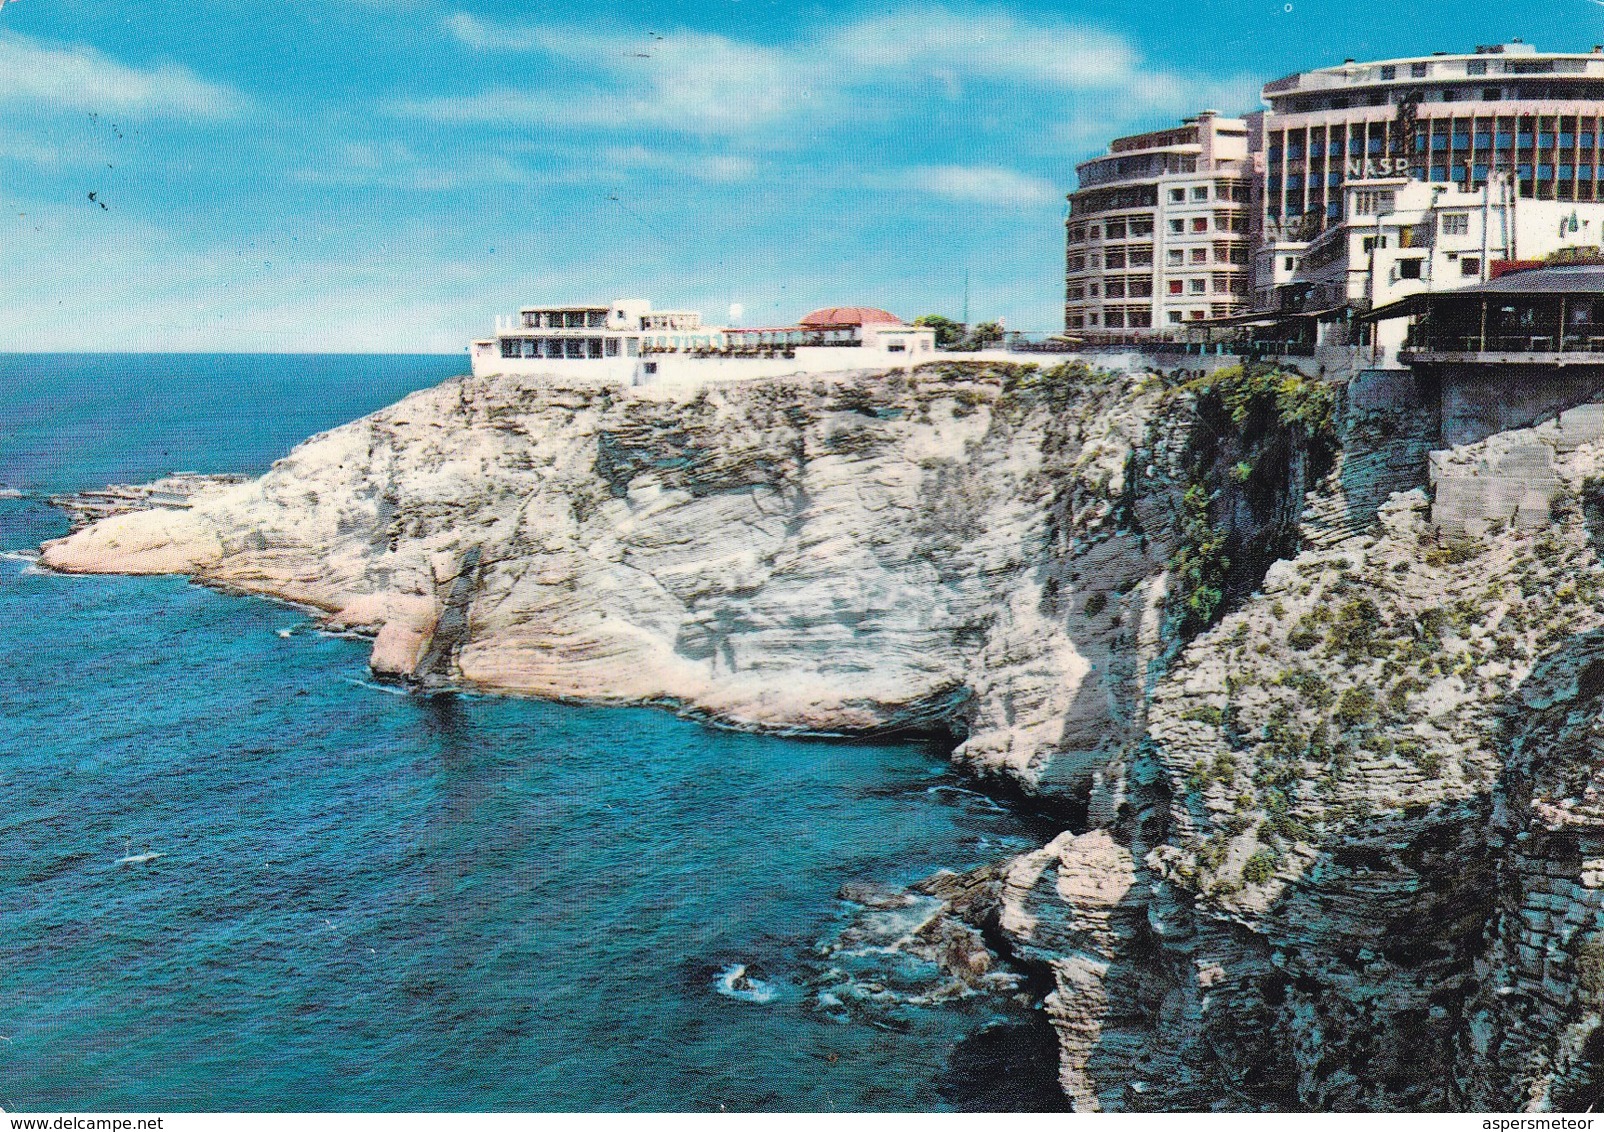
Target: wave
(735, 982)
(975, 796)
(387, 689)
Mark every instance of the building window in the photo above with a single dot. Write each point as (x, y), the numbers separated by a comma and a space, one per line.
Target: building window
(1491, 94)
(1476, 67)
(1455, 224)
(1175, 286)
(1115, 230)
(1470, 265)
(1388, 72)
(1114, 289)
(1200, 192)
(1174, 257)
(1370, 202)
(1175, 317)
(1200, 223)
(1195, 316)
(1075, 291)
(1419, 70)
(1177, 196)
(1177, 227)
(1077, 234)
(1196, 286)
(1409, 268)
(1200, 255)
(1291, 263)
(612, 347)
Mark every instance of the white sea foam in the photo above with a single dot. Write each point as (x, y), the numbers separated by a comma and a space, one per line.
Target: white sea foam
(388, 690)
(734, 982)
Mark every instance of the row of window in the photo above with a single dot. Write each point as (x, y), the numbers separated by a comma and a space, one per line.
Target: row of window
(1521, 92)
(1141, 318)
(1141, 287)
(1222, 190)
(1222, 285)
(1134, 227)
(1140, 228)
(565, 347)
(1544, 187)
(564, 320)
(1117, 259)
(1116, 287)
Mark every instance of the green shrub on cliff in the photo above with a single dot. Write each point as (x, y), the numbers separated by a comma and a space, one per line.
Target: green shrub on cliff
(1455, 552)
(1200, 565)
(1356, 705)
(1260, 867)
(1353, 634)
(1305, 403)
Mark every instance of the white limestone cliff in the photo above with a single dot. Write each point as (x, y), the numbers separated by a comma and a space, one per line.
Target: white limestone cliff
(863, 553)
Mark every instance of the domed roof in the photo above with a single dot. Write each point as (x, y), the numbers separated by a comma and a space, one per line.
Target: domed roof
(849, 316)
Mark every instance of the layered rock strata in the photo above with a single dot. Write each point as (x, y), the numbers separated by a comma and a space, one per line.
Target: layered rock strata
(1342, 849)
(863, 553)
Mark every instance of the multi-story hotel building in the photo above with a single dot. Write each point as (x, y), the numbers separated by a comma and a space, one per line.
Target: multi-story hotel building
(1158, 231)
(1505, 114)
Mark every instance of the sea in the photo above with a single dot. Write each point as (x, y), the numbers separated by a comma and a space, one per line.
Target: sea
(238, 874)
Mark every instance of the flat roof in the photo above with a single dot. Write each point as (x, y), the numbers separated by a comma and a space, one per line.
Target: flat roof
(1579, 279)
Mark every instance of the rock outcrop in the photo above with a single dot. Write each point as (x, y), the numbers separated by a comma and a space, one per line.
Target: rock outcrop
(1362, 829)
(860, 554)
(1333, 743)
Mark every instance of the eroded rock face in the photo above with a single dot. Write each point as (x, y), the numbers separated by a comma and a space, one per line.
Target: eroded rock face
(1346, 847)
(1367, 827)
(854, 554)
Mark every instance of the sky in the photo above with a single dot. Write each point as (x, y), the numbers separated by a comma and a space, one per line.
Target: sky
(390, 175)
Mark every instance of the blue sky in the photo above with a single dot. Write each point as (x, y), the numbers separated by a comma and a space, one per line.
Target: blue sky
(388, 175)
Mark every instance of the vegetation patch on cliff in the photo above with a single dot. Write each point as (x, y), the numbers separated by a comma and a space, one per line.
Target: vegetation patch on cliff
(1260, 437)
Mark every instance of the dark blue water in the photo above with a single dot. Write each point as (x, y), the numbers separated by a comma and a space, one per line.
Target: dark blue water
(375, 901)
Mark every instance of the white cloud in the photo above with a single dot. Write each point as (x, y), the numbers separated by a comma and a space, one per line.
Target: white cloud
(974, 184)
(872, 70)
(83, 79)
(712, 168)
(393, 165)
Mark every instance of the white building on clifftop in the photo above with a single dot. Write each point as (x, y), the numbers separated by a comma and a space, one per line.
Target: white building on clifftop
(626, 342)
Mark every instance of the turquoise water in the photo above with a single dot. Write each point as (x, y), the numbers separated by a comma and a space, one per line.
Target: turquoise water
(367, 900)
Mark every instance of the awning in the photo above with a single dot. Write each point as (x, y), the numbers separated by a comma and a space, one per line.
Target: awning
(1400, 309)
(1268, 318)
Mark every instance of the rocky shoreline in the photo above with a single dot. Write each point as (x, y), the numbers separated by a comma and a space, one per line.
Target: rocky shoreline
(1323, 743)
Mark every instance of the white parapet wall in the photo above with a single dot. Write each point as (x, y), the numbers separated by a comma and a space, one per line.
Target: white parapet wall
(685, 369)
